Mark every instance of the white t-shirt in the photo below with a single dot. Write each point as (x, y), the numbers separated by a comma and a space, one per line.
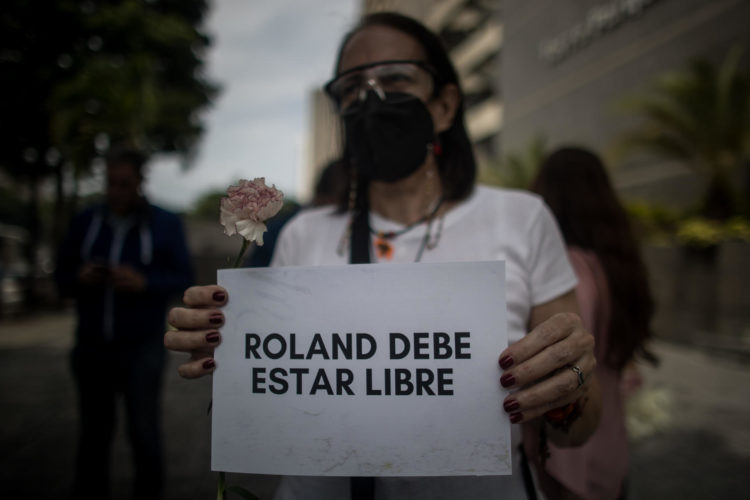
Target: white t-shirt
(493, 224)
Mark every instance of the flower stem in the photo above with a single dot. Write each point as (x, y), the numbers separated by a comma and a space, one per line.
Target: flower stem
(221, 494)
(238, 260)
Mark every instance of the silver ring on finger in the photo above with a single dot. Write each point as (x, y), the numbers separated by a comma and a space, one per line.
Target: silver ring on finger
(579, 373)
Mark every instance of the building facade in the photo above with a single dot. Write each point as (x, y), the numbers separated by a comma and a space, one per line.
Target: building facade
(569, 65)
(560, 70)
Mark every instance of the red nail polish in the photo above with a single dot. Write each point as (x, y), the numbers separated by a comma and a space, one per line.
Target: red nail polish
(212, 337)
(506, 362)
(516, 417)
(508, 380)
(216, 319)
(219, 296)
(511, 405)
(209, 364)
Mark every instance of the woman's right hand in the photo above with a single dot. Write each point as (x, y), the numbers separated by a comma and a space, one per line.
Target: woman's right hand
(196, 329)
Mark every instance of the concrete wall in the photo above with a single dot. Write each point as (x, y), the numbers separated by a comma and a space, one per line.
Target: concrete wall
(573, 99)
(703, 295)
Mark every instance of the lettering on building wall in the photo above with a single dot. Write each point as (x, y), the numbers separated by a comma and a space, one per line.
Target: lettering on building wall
(598, 21)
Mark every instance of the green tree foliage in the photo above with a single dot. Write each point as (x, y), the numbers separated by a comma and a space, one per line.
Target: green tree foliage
(33, 37)
(207, 205)
(699, 117)
(12, 208)
(77, 76)
(519, 168)
(139, 80)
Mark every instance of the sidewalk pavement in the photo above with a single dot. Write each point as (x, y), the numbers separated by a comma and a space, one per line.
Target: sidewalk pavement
(690, 423)
(690, 426)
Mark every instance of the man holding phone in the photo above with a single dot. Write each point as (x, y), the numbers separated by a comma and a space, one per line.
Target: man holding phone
(122, 260)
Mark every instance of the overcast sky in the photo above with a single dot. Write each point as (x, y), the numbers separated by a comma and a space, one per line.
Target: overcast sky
(268, 55)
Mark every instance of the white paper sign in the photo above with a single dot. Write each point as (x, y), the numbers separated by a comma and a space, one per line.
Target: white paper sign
(375, 370)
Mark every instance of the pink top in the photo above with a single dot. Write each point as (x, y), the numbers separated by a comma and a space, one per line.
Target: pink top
(596, 470)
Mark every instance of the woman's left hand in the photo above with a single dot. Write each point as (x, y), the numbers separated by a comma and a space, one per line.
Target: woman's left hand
(540, 367)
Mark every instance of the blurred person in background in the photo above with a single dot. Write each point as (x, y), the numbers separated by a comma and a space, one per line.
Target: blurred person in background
(122, 261)
(616, 306)
(412, 197)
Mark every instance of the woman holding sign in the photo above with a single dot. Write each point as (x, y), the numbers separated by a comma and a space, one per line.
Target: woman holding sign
(413, 198)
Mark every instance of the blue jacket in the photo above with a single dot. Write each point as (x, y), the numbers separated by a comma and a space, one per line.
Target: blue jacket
(153, 242)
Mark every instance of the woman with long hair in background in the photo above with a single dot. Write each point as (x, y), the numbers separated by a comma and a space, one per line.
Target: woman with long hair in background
(616, 306)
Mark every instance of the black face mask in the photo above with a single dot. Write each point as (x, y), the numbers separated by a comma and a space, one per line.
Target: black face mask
(387, 140)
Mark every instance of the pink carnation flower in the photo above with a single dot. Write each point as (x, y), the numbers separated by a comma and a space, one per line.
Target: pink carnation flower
(247, 206)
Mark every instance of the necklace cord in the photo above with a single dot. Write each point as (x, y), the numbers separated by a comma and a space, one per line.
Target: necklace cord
(358, 228)
(390, 235)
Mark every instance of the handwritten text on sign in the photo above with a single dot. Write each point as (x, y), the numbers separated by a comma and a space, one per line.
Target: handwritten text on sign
(362, 370)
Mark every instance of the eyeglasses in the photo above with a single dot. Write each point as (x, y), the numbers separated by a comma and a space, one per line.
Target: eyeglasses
(409, 77)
